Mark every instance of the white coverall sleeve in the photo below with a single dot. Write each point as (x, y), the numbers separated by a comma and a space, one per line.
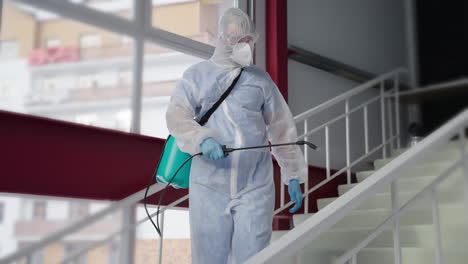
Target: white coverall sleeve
(281, 129)
(180, 117)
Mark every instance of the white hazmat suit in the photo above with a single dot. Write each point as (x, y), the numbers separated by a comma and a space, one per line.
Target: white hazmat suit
(232, 199)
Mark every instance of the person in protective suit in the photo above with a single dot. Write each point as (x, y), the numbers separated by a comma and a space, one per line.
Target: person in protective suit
(232, 198)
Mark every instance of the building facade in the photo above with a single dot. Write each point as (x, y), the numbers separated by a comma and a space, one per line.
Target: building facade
(58, 68)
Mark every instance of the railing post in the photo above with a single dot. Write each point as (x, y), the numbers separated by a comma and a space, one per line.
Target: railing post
(306, 157)
(382, 116)
(390, 123)
(29, 259)
(396, 225)
(327, 151)
(397, 109)
(127, 249)
(348, 158)
(366, 130)
(161, 240)
(436, 220)
(298, 258)
(464, 157)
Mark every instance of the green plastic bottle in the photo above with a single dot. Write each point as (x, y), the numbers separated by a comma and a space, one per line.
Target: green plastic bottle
(171, 160)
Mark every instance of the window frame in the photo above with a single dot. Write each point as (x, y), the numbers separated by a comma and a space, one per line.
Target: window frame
(138, 28)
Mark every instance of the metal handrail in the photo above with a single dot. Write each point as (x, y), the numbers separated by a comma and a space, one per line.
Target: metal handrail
(324, 219)
(128, 201)
(389, 96)
(316, 187)
(94, 245)
(134, 198)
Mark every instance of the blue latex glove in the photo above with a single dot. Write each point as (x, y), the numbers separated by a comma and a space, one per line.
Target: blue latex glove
(212, 149)
(295, 193)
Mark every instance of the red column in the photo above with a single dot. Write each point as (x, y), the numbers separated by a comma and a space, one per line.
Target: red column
(277, 44)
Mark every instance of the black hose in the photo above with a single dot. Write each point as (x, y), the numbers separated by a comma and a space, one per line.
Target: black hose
(226, 152)
(156, 225)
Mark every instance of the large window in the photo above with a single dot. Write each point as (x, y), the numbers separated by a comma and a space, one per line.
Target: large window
(39, 210)
(82, 70)
(8, 49)
(65, 69)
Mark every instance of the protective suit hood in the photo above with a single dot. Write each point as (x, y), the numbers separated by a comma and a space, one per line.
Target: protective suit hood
(235, 31)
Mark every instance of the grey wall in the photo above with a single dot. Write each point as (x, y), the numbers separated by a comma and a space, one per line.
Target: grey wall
(367, 34)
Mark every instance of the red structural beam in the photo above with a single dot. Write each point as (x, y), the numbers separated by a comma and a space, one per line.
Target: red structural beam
(277, 43)
(42, 156)
(48, 157)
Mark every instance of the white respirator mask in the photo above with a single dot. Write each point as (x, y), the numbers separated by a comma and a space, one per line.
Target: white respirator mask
(242, 53)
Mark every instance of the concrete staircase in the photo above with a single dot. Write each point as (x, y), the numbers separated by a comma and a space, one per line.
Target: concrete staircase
(417, 237)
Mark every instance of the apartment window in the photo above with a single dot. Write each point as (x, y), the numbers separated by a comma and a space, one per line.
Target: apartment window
(125, 77)
(53, 43)
(107, 79)
(37, 258)
(72, 248)
(86, 119)
(90, 41)
(6, 89)
(123, 120)
(8, 49)
(49, 85)
(126, 40)
(114, 253)
(39, 210)
(78, 209)
(2, 212)
(87, 81)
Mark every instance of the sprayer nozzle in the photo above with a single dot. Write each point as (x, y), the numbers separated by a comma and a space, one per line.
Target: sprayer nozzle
(303, 142)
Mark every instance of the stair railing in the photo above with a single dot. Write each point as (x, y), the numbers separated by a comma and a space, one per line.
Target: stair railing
(27, 252)
(291, 243)
(389, 95)
(388, 99)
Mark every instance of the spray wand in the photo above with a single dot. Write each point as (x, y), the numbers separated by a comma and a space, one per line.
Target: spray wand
(226, 153)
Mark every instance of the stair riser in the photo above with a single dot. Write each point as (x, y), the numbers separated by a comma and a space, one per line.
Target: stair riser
(404, 185)
(433, 170)
(431, 158)
(411, 218)
(380, 256)
(372, 218)
(383, 201)
(415, 184)
(420, 236)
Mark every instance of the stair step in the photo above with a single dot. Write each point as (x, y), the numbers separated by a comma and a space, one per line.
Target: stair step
(433, 169)
(383, 200)
(412, 255)
(437, 156)
(421, 236)
(374, 217)
(404, 185)
(408, 184)
(398, 152)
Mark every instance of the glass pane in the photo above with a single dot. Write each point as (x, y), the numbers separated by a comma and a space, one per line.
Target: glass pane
(200, 18)
(122, 8)
(59, 68)
(27, 219)
(162, 69)
(176, 246)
